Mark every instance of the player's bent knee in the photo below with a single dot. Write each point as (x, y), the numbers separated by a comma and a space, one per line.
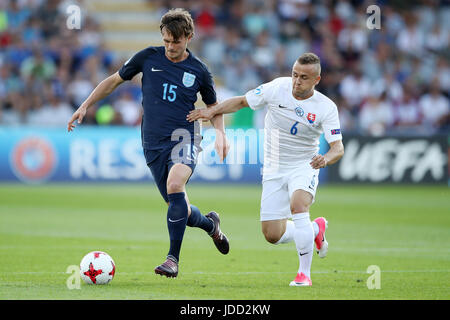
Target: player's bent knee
(174, 186)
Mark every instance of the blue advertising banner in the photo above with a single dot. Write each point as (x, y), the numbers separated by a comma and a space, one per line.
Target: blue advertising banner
(109, 154)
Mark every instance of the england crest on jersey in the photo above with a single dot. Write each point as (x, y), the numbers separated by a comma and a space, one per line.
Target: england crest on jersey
(188, 79)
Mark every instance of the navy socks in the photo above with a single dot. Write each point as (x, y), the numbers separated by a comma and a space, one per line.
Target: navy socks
(176, 221)
(196, 219)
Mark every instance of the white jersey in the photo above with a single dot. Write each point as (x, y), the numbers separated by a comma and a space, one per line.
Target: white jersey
(293, 127)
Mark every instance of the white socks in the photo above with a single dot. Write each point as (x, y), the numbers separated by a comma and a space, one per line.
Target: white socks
(316, 228)
(288, 235)
(303, 231)
(304, 241)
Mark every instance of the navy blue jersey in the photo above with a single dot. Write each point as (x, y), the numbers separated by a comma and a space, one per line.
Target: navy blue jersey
(169, 91)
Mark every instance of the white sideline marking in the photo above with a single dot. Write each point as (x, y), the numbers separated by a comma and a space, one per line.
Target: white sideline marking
(283, 248)
(246, 273)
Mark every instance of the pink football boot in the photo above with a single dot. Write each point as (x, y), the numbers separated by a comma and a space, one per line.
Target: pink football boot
(321, 242)
(301, 281)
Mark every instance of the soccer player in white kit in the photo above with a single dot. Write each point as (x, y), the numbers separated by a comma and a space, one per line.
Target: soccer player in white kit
(296, 117)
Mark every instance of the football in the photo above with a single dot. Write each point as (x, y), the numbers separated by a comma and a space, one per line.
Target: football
(97, 267)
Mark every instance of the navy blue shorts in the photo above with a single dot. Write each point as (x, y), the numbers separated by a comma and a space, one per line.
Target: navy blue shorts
(161, 160)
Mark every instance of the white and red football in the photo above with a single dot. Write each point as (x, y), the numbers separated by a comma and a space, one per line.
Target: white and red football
(97, 267)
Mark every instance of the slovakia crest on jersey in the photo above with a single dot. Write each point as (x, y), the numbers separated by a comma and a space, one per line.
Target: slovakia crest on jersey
(299, 111)
(188, 79)
(311, 117)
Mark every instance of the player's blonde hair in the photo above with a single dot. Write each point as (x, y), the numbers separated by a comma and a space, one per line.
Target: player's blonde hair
(310, 58)
(178, 22)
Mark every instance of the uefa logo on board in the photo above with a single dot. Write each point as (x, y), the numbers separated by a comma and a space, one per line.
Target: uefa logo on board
(33, 160)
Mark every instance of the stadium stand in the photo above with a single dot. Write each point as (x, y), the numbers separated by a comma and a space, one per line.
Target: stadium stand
(393, 80)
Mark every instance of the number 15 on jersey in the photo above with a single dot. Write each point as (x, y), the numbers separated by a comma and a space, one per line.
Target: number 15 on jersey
(169, 92)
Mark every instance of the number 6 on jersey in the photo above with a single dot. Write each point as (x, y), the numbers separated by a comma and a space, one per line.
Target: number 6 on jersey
(294, 128)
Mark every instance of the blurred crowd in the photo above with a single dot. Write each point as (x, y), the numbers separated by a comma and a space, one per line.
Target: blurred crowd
(391, 80)
(48, 69)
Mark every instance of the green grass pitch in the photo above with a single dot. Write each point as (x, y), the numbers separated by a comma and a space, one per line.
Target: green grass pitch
(404, 230)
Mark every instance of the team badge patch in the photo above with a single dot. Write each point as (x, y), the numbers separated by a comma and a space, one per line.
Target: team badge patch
(336, 131)
(311, 117)
(188, 79)
(299, 111)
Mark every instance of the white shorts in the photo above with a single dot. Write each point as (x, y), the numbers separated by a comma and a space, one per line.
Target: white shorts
(278, 189)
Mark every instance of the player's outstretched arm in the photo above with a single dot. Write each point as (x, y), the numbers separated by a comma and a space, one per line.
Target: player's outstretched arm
(221, 144)
(332, 156)
(100, 92)
(228, 106)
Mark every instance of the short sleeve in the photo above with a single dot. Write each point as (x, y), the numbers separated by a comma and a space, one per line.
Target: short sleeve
(133, 65)
(331, 126)
(207, 90)
(258, 98)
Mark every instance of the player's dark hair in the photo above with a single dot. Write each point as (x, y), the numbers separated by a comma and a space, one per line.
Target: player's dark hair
(178, 22)
(309, 58)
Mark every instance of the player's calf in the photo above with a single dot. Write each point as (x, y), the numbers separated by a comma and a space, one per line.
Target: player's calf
(272, 239)
(277, 231)
(271, 236)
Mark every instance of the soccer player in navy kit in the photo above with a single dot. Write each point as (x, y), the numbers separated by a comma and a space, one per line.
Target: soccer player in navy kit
(171, 78)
